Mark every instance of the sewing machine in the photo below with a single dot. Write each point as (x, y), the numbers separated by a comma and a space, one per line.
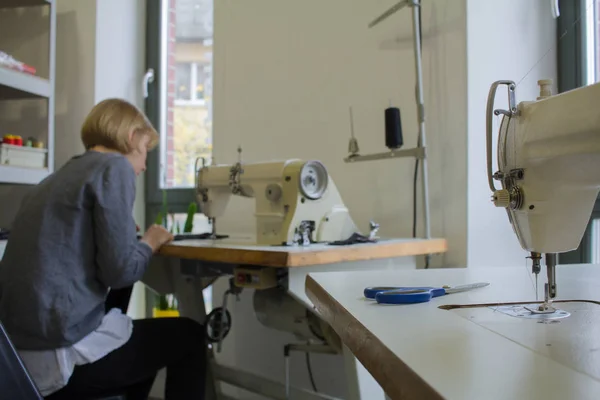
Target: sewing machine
(294, 198)
(549, 163)
(299, 212)
(549, 170)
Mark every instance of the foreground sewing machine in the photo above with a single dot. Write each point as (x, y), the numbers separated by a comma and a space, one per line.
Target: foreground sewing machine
(549, 163)
(302, 226)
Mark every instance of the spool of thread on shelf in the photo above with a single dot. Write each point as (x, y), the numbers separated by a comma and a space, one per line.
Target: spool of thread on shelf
(393, 128)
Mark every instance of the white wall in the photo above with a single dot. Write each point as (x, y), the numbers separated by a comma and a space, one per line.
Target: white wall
(92, 67)
(119, 70)
(518, 42)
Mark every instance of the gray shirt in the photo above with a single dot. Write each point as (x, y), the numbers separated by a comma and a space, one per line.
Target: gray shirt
(73, 238)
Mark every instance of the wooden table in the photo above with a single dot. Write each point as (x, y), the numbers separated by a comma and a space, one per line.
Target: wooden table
(299, 261)
(422, 351)
(239, 250)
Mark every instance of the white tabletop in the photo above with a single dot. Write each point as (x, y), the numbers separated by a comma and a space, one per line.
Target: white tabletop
(422, 351)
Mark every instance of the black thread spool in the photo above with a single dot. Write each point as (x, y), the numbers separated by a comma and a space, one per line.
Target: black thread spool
(393, 128)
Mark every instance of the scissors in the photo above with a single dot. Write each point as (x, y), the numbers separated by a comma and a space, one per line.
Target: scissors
(411, 295)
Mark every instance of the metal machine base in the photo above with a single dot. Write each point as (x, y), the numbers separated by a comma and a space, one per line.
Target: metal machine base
(187, 279)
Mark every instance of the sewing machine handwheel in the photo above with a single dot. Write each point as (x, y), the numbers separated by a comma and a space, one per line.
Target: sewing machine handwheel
(215, 323)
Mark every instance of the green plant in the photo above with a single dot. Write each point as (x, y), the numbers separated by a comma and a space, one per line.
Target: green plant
(189, 222)
(161, 217)
(166, 302)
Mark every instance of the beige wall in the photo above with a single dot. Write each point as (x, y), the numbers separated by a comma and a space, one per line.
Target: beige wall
(286, 74)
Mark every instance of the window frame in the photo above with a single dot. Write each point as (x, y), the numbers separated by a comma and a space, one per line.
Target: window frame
(572, 73)
(178, 199)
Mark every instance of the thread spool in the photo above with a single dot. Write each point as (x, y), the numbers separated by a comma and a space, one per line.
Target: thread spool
(393, 128)
(545, 88)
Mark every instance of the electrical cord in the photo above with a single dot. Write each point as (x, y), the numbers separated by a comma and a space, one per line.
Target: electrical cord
(414, 229)
(419, 144)
(308, 366)
(310, 374)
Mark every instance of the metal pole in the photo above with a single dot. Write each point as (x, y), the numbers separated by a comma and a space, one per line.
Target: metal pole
(421, 110)
(287, 374)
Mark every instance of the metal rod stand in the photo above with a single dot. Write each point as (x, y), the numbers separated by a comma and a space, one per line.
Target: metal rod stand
(420, 152)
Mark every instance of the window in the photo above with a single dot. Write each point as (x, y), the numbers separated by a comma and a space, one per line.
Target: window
(179, 48)
(194, 84)
(578, 41)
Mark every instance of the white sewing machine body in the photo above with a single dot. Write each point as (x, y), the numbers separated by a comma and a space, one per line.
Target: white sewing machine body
(287, 193)
(549, 163)
(554, 145)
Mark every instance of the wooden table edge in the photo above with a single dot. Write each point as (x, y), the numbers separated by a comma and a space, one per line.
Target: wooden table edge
(368, 252)
(228, 255)
(398, 381)
(282, 259)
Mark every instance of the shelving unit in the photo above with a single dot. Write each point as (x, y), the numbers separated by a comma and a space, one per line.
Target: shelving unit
(24, 3)
(18, 88)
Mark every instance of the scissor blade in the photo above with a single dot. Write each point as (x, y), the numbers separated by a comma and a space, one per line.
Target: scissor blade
(464, 288)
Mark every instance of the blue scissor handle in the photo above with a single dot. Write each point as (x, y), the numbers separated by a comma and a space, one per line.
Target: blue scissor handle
(371, 291)
(408, 295)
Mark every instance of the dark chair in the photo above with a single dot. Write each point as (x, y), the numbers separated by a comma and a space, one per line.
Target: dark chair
(15, 381)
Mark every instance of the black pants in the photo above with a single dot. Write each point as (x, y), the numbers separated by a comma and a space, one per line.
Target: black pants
(175, 343)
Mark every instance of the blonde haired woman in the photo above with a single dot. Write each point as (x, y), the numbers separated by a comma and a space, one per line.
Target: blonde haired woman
(74, 240)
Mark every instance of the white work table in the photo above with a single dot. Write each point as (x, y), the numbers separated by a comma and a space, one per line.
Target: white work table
(420, 351)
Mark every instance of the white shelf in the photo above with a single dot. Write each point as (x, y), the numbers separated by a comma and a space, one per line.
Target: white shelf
(22, 175)
(20, 85)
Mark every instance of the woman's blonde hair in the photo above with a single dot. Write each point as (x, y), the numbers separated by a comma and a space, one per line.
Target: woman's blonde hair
(110, 123)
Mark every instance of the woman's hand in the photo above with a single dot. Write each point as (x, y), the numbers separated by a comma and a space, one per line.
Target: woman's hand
(156, 236)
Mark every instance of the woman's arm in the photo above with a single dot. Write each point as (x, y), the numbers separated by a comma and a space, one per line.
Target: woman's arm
(121, 259)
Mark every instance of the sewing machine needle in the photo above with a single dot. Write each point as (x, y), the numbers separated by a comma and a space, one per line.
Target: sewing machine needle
(536, 287)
